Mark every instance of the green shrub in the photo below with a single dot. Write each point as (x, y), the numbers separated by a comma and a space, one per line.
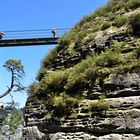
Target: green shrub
(105, 25)
(41, 73)
(54, 81)
(96, 26)
(79, 38)
(85, 19)
(66, 101)
(117, 46)
(103, 72)
(134, 23)
(103, 11)
(119, 21)
(77, 74)
(33, 88)
(132, 4)
(89, 39)
(50, 57)
(100, 12)
(64, 105)
(65, 40)
(108, 59)
(137, 53)
(99, 106)
(111, 6)
(129, 66)
(114, 5)
(84, 75)
(76, 85)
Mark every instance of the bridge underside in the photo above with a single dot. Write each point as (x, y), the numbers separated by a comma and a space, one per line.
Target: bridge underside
(28, 42)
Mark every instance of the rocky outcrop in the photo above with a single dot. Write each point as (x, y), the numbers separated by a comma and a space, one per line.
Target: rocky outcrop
(118, 121)
(66, 60)
(121, 121)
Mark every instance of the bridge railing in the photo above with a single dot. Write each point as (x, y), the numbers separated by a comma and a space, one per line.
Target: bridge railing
(27, 34)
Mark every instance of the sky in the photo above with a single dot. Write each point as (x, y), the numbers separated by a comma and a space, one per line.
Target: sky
(34, 15)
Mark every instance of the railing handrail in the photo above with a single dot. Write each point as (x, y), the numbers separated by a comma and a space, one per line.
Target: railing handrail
(39, 33)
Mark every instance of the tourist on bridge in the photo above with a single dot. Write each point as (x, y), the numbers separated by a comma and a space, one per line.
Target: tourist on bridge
(2, 34)
(54, 31)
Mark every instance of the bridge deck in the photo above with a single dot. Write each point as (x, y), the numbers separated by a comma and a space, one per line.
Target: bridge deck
(28, 42)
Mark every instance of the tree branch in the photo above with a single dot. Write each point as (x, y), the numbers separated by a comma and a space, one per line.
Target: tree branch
(17, 71)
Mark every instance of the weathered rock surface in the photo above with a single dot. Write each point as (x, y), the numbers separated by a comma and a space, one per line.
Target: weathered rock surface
(66, 60)
(120, 122)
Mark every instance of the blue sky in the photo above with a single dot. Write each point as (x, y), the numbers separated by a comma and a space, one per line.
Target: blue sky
(37, 14)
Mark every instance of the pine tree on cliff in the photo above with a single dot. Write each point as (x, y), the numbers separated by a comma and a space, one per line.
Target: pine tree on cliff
(15, 67)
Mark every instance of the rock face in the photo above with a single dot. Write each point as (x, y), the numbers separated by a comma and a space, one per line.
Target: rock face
(65, 60)
(120, 118)
(120, 122)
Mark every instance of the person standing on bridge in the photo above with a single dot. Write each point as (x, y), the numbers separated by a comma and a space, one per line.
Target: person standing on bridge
(2, 34)
(54, 31)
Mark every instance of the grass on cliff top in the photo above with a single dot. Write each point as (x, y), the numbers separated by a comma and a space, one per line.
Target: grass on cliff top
(62, 90)
(84, 32)
(94, 69)
(86, 73)
(65, 105)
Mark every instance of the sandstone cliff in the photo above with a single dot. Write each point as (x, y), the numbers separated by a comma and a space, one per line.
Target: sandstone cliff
(88, 87)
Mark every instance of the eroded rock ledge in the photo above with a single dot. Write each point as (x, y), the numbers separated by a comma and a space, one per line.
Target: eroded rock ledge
(122, 91)
(120, 121)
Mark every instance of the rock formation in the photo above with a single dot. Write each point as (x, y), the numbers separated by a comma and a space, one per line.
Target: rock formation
(89, 89)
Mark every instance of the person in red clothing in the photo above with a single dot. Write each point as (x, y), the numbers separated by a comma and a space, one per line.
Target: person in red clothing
(2, 34)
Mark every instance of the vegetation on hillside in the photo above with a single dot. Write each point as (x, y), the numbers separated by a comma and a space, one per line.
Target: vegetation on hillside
(63, 88)
(112, 15)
